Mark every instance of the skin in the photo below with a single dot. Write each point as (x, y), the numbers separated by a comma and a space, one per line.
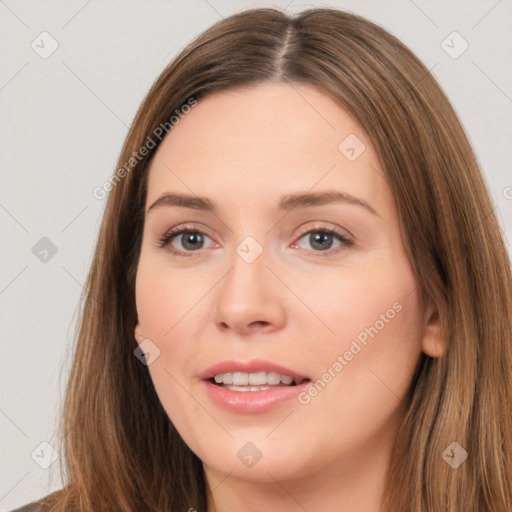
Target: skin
(296, 304)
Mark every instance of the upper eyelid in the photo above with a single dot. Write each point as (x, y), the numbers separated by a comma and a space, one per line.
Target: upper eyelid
(306, 229)
(179, 228)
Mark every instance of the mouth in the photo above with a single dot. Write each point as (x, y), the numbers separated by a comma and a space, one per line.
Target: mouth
(254, 386)
(257, 381)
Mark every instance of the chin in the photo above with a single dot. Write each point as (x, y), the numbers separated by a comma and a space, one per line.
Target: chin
(260, 461)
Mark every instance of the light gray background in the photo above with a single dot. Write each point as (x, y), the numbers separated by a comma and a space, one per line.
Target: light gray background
(63, 121)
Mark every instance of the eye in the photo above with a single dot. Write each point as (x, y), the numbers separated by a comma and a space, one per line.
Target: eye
(321, 239)
(190, 238)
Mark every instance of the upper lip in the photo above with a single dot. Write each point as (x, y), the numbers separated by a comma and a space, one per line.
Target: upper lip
(252, 366)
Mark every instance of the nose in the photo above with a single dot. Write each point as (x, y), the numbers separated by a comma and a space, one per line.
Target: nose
(249, 298)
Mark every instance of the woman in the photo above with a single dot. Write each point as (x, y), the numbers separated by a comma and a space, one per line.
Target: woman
(300, 298)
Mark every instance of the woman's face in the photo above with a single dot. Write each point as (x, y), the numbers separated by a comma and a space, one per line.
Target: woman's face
(276, 277)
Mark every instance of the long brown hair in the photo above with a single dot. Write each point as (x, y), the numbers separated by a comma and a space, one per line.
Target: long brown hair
(120, 450)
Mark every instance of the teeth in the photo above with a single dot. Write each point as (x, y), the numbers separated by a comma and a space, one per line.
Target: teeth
(255, 379)
(240, 379)
(286, 379)
(273, 378)
(226, 378)
(247, 388)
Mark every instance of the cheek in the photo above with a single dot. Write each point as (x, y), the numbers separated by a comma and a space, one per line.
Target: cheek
(164, 300)
(365, 368)
(368, 339)
(164, 297)
(171, 312)
(378, 301)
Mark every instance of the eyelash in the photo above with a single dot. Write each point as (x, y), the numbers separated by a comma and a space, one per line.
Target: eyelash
(164, 241)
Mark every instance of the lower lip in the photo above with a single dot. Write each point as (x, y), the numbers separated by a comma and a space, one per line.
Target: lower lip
(253, 401)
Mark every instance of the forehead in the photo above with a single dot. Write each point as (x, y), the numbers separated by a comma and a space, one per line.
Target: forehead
(268, 138)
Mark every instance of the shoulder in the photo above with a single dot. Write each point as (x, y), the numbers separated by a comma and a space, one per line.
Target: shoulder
(46, 502)
(30, 507)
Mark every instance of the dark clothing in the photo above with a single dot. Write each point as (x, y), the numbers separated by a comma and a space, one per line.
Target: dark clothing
(30, 507)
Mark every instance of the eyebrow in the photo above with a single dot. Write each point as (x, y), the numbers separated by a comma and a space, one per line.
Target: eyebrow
(287, 203)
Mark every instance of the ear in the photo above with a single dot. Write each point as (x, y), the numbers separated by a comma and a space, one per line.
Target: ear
(139, 337)
(433, 343)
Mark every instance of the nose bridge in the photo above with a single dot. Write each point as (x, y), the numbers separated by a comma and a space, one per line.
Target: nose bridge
(246, 295)
(246, 280)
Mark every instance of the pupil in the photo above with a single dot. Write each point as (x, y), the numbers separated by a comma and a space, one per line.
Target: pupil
(321, 237)
(191, 237)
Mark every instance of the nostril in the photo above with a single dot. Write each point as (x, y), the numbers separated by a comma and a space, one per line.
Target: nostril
(259, 323)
